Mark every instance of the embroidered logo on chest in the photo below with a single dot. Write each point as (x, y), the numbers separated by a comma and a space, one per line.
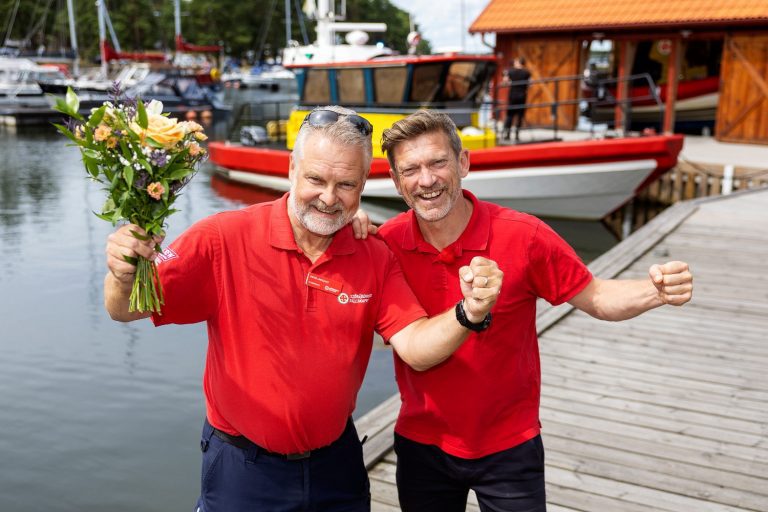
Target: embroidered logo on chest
(166, 255)
(355, 298)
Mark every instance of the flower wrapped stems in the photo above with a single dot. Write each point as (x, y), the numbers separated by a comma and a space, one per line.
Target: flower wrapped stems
(143, 158)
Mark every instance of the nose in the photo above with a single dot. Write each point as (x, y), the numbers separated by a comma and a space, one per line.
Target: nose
(426, 178)
(328, 196)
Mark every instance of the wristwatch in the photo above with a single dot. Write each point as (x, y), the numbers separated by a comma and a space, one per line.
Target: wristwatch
(461, 316)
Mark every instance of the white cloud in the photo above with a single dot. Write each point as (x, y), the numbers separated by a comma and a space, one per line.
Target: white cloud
(440, 21)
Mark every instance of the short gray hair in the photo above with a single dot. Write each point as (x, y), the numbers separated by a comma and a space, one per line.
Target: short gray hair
(341, 132)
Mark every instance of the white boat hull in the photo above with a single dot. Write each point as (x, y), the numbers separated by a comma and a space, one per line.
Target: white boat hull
(586, 191)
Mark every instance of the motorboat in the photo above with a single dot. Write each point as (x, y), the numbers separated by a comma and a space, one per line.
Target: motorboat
(585, 179)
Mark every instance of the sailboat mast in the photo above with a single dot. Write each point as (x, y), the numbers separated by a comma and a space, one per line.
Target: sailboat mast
(102, 38)
(177, 23)
(73, 39)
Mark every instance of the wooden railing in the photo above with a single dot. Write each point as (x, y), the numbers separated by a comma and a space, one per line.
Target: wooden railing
(687, 180)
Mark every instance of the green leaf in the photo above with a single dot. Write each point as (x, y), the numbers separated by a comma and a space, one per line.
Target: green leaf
(147, 166)
(97, 116)
(166, 189)
(73, 102)
(149, 141)
(138, 235)
(143, 121)
(178, 174)
(128, 175)
(92, 168)
(105, 216)
(65, 131)
(91, 154)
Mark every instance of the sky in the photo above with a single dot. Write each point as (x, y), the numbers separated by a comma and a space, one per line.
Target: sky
(440, 22)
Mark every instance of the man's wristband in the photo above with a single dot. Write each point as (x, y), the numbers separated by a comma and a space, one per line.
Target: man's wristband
(461, 316)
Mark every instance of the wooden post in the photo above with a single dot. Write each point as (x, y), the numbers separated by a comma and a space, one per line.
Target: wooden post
(626, 59)
(673, 72)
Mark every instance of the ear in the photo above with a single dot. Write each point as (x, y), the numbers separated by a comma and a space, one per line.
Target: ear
(393, 175)
(291, 168)
(464, 163)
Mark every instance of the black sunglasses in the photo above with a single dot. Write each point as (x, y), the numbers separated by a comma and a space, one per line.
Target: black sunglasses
(319, 118)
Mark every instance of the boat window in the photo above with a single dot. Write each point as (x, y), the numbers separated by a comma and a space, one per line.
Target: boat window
(389, 84)
(459, 81)
(351, 86)
(317, 88)
(426, 82)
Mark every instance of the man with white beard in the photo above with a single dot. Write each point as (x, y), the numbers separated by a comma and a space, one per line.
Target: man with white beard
(292, 300)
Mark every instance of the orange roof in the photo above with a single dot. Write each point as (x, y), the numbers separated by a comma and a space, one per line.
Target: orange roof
(559, 15)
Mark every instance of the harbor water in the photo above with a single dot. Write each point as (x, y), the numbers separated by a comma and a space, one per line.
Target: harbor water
(97, 415)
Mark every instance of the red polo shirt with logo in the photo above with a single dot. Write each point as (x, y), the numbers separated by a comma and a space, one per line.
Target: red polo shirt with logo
(485, 397)
(285, 360)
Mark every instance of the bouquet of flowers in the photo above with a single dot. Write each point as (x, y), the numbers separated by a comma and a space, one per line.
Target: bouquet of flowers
(143, 158)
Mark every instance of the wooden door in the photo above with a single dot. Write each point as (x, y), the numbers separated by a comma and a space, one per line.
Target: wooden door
(742, 111)
(547, 59)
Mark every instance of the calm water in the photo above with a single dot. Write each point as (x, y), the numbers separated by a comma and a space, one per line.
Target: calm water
(96, 415)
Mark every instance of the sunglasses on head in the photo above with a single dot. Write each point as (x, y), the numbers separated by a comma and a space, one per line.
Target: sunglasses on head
(319, 118)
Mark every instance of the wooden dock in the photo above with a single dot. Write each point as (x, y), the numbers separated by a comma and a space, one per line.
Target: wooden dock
(664, 412)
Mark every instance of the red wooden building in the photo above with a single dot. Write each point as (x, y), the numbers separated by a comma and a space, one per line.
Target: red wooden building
(725, 41)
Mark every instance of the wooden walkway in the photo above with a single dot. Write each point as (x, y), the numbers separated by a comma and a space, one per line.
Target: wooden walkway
(664, 412)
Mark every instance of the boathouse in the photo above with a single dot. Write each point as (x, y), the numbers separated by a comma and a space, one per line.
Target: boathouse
(695, 50)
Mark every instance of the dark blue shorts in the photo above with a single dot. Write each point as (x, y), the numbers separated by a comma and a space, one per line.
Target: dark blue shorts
(331, 479)
(428, 479)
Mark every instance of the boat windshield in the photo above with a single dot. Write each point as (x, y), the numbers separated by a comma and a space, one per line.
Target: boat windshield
(437, 84)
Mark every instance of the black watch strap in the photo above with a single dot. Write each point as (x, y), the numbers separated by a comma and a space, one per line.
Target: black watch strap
(461, 316)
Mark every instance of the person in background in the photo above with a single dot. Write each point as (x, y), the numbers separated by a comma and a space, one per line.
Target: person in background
(517, 79)
(291, 301)
(472, 422)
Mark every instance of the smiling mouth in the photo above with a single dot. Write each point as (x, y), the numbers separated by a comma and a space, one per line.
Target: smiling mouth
(431, 195)
(327, 212)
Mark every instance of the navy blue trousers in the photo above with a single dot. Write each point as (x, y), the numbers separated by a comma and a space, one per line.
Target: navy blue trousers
(428, 479)
(332, 479)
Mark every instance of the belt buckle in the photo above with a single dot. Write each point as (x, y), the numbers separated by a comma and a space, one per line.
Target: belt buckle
(298, 456)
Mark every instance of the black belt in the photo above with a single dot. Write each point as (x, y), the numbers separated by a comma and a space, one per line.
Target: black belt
(244, 443)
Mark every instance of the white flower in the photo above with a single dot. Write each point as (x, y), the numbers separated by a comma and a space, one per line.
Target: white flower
(154, 107)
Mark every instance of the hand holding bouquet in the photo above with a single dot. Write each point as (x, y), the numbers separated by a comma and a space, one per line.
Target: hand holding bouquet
(143, 158)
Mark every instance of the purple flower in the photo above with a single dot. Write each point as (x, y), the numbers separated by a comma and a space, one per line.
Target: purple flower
(115, 92)
(141, 180)
(158, 157)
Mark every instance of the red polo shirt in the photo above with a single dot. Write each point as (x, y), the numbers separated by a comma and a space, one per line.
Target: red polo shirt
(485, 397)
(285, 360)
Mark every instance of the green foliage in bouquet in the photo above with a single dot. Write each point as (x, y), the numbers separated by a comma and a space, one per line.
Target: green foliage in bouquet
(143, 158)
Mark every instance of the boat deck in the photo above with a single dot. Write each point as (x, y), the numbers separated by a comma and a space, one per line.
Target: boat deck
(664, 412)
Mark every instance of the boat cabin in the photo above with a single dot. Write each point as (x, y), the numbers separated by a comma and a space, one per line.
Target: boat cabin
(387, 89)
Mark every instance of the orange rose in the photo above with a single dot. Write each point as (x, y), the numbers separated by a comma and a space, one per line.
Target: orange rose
(163, 130)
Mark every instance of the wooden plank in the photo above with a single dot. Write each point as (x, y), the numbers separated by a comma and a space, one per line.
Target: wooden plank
(634, 494)
(670, 475)
(712, 432)
(720, 458)
(682, 416)
(648, 392)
